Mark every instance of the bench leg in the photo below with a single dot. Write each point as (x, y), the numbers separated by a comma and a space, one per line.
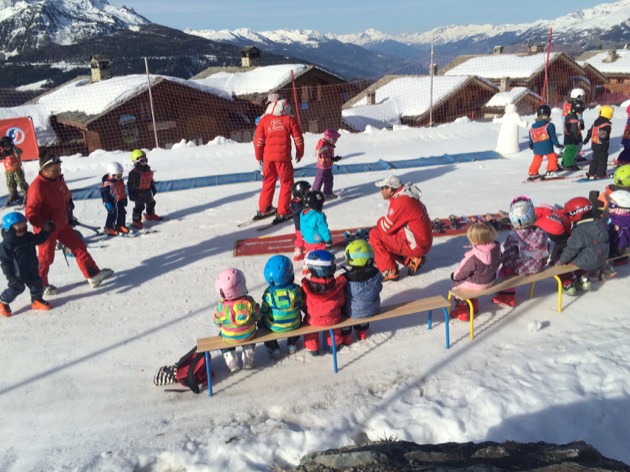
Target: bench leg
(446, 323)
(559, 280)
(531, 290)
(430, 320)
(334, 348)
(209, 373)
(471, 312)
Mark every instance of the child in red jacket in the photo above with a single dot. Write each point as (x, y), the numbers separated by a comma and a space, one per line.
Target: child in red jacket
(324, 297)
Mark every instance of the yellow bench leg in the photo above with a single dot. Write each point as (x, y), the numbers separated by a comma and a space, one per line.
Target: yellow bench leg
(559, 280)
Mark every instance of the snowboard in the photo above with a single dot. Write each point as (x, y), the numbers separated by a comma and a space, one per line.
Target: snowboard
(451, 226)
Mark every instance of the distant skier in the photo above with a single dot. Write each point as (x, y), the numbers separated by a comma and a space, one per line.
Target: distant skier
(542, 139)
(11, 156)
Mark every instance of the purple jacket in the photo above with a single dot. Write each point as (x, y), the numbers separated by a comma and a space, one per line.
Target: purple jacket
(619, 233)
(524, 252)
(478, 268)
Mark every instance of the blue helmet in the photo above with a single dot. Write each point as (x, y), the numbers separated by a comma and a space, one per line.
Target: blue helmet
(321, 263)
(279, 271)
(10, 219)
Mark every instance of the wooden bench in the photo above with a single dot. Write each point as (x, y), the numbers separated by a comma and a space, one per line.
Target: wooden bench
(422, 305)
(516, 281)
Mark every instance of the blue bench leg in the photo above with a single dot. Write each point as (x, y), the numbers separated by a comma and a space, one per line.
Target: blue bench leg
(334, 349)
(209, 374)
(430, 320)
(446, 323)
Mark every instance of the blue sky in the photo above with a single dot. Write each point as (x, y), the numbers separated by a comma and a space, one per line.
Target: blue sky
(348, 16)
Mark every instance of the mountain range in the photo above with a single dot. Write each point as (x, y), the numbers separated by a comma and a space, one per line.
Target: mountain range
(53, 40)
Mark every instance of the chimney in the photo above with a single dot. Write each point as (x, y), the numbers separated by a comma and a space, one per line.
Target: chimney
(535, 49)
(504, 84)
(371, 97)
(498, 50)
(100, 68)
(434, 69)
(612, 56)
(250, 56)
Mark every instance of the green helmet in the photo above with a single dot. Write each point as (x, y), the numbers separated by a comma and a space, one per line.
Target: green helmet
(622, 176)
(137, 154)
(359, 253)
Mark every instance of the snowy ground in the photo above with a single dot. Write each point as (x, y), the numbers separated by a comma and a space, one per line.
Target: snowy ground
(76, 391)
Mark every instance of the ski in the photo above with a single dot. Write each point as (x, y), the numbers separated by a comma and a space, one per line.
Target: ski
(76, 222)
(274, 225)
(256, 219)
(582, 179)
(542, 178)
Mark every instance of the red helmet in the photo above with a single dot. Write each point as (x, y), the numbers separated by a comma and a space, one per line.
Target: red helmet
(578, 208)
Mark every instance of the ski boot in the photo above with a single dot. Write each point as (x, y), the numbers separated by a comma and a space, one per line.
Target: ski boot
(583, 283)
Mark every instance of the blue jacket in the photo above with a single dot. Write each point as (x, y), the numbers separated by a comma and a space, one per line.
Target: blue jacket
(544, 147)
(314, 227)
(363, 288)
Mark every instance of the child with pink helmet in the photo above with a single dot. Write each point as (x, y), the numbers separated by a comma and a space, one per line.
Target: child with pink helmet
(236, 314)
(325, 152)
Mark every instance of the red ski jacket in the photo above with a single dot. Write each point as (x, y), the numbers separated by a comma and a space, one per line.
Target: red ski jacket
(323, 299)
(48, 201)
(273, 135)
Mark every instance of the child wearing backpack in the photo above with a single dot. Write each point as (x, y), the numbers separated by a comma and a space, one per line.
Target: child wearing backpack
(324, 297)
(281, 306)
(599, 135)
(18, 259)
(363, 288)
(141, 189)
(542, 139)
(525, 250)
(237, 314)
(313, 224)
(115, 200)
(478, 268)
(298, 192)
(325, 151)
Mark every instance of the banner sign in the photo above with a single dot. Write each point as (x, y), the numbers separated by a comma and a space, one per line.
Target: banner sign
(22, 132)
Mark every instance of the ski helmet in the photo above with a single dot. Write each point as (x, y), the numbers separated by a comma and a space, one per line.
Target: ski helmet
(620, 199)
(607, 112)
(279, 271)
(331, 135)
(555, 224)
(114, 168)
(622, 176)
(231, 284)
(300, 189)
(628, 109)
(359, 253)
(321, 263)
(577, 106)
(522, 212)
(578, 93)
(6, 141)
(10, 219)
(315, 200)
(543, 111)
(578, 208)
(137, 154)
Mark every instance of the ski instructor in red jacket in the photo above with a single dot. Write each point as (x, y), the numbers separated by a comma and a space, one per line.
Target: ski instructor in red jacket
(272, 144)
(49, 199)
(403, 235)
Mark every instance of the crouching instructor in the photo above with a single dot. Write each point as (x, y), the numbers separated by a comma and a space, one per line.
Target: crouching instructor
(49, 199)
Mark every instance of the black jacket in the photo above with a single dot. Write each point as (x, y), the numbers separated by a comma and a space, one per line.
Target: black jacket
(18, 257)
(588, 245)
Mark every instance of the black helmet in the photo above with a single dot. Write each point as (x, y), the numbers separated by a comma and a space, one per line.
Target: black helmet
(543, 110)
(577, 106)
(314, 200)
(300, 188)
(6, 141)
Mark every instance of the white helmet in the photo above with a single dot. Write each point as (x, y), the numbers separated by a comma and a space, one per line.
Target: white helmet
(114, 168)
(578, 93)
(621, 198)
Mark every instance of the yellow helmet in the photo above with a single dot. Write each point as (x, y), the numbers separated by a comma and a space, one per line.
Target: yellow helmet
(137, 154)
(359, 253)
(607, 112)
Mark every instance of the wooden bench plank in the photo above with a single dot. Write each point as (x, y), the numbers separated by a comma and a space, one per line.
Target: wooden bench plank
(215, 343)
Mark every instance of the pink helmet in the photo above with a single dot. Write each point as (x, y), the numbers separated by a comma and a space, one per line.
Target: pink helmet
(231, 284)
(628, 110)
(331, 135)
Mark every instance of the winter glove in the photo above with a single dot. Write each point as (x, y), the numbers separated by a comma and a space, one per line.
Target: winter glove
(336, 158)
(531, 146)
(153, 190)
(109, 206)
(560, 146)
(51, 226)
(71, 219)
(12, 280)
(329, 244)
(132, 197)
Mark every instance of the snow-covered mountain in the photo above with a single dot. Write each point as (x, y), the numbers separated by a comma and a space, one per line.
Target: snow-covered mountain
(606, 25)
(31, 24)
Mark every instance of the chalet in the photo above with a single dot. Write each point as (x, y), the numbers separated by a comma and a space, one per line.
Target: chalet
(416, 101)
(525, 100)
(319, 94)
(528, 71)
(614, 65)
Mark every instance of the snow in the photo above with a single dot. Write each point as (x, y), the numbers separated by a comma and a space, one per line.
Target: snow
(76, 391)
(621, 65)
(497, 66)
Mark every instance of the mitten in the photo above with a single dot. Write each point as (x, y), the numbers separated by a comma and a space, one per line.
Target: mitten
(336, 158)
(329, 244)
(531, 146)
(109, 206)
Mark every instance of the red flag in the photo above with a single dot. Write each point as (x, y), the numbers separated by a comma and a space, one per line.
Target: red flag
(22, 132)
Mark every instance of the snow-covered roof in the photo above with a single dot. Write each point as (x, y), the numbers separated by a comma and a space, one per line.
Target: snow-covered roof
(497, 66)
(505, 98)
(258, 80)
(621, 65)
(91, 98)
(405, 96)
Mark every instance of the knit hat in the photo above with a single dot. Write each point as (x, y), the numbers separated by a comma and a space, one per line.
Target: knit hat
(392, 182)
